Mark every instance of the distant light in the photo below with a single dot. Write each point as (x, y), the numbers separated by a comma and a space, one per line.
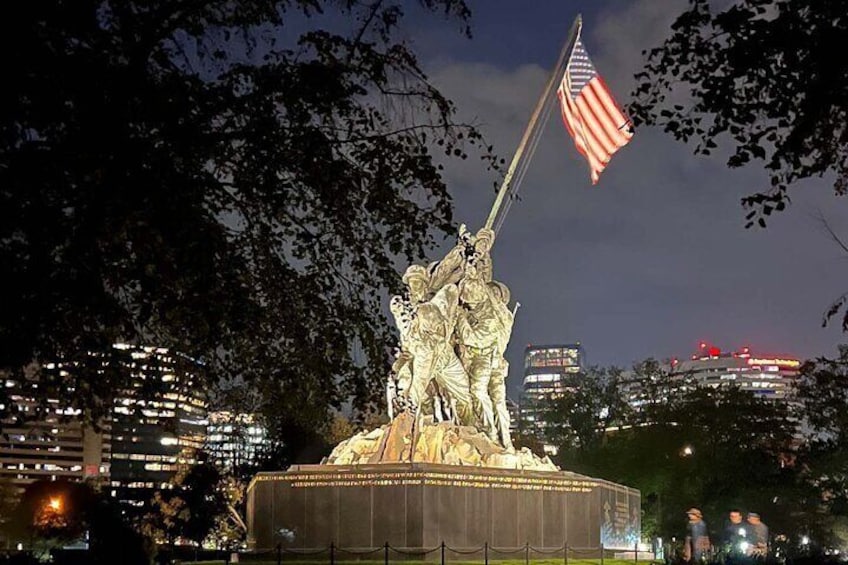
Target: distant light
(56, 504)
(744, 546)
(805, 540)
(688, 450)
(742, 532)
(715, 351)
(702, 345)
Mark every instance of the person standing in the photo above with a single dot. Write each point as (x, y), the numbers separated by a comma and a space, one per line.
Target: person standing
(759, 535)
(697, 543)
(735, 533)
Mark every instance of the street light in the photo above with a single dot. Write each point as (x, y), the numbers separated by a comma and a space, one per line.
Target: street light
(687, 451)
(51, 514)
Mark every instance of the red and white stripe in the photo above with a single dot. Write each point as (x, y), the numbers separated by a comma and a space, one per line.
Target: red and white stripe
(596, 123)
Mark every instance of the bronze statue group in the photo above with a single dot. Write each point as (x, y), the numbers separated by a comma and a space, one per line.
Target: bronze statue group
(454, 324)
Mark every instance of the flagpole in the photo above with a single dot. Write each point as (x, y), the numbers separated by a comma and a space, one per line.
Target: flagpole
(555, 77)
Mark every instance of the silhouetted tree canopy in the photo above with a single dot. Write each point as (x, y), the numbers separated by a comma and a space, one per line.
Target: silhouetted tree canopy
(191, 508)
(82, 513)
(591, 405)
(823, 399)
(760, 76)
(237, 181)
(740, 449)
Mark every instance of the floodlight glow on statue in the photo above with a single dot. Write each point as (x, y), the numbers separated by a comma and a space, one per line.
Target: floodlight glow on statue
(446, 394)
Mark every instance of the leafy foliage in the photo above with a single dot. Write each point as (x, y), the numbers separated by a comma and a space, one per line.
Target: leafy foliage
(80, 511)
(823, 398)
(582, 416)
(191, 508)
(230, 530)
(233, 180)
(760, 74)
(686, 446)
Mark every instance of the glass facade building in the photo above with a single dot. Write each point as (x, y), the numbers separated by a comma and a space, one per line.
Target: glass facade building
(235, 441)
(549, 370)
(44, 439)
(155, 422)
(158, 423)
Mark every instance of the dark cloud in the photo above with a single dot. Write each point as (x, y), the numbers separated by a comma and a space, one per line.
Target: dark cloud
(655, 258)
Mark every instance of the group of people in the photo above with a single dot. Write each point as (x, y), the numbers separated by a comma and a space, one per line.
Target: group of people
(454, 326)
(740, 538)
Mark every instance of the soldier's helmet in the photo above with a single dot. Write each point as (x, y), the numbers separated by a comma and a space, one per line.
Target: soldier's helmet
(500, 290)
(414, 272)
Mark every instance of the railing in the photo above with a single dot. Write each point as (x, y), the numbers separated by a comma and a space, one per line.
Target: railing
(387, 553)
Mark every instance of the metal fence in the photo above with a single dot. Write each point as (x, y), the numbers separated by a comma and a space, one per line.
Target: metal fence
(442, 554)
(333, 555)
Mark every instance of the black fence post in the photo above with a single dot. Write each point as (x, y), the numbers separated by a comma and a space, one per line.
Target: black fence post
(565, 553)
(386, 554)
(332, 553)
(527, 553)
(602, 553)
(636, 552)
(279, 553)
(486, 553)
(443, 553)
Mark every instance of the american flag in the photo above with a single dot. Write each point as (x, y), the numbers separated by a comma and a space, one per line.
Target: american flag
(592, 117)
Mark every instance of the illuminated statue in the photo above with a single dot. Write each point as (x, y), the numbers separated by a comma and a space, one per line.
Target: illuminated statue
(469, 250)
(447, 390)
(454, 325)
(483, 330)
(500, 370)
(427, 355)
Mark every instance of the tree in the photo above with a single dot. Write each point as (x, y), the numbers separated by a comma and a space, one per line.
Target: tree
(823, 398)
(759, 75)
(684, 446)
(191, 508)
(8, 502)
(581, 416)
(50, 514)
(236, 181)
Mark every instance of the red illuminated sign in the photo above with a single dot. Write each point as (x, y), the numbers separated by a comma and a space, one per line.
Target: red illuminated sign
(779, 362)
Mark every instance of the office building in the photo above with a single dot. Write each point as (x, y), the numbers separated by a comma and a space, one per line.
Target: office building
(549, 370)
(235, 441)
(766, 376)
(45, 439)
(153, 427)
(514, 415)
(158, 422)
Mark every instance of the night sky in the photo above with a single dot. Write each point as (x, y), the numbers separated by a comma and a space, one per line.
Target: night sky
(655, 258)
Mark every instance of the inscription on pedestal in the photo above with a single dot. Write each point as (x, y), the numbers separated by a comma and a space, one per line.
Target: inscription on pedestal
(419, 506)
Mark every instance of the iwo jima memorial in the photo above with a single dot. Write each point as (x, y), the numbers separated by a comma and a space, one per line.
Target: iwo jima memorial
(444, 472)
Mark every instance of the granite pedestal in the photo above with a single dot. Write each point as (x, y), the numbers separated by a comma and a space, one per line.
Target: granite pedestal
(417, 506)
